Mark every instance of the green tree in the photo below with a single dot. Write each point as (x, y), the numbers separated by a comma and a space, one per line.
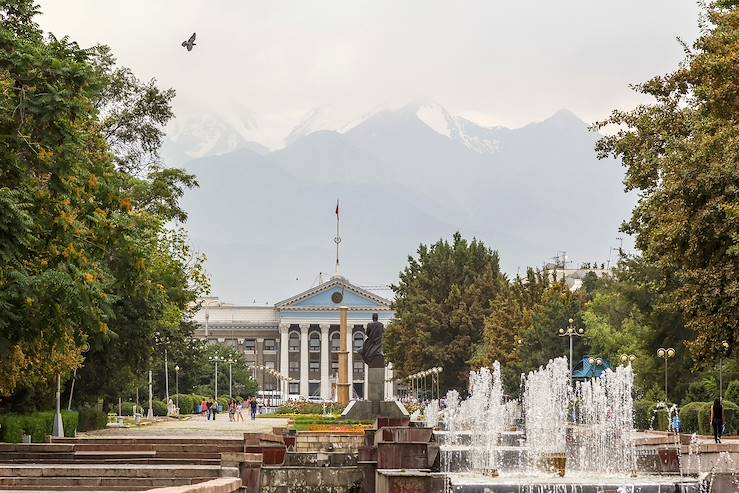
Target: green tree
(681, 154)
(441, 303)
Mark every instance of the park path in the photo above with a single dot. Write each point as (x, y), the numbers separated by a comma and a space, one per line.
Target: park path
(195, 427)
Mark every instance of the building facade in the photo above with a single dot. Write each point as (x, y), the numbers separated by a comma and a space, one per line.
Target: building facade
(299, 337)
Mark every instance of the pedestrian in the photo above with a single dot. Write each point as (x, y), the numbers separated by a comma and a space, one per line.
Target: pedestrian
(231, 410)
(203, 407)
(207, 407)
(239, 413)
(254, 408)
(717, 419)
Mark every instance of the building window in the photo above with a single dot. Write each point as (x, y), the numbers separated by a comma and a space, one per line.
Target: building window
(270, 364)
(294, 366)
(294, 388)
(358, 369)
(314, 389)
(358, 341)
(314, 366)
(293, 344)
(335, 342)
(250, 345)
(269, 386)
(269, 345)
(314, 342)
(358, 390)
(334, 368)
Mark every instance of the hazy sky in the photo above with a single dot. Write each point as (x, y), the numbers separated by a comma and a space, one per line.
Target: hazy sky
(496, 62)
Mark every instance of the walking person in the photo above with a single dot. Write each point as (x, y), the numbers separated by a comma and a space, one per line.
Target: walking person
(717, 419)
(232, 410)
(239, 413)
(209, 409)
(253, 405)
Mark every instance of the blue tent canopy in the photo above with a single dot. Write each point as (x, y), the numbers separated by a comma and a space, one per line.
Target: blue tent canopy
(586, 370)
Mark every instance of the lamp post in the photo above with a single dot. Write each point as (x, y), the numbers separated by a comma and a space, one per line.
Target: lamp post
(230, 362)
(215, 359)
(177, 387)
(150, 413)
(627, 358)
(665, 354)
(724, 349)
(571, 332)
(58, 429)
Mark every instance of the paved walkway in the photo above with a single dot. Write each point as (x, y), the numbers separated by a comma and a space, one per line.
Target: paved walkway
(195, 427)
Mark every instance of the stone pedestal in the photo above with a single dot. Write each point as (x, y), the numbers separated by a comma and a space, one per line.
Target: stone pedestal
(375, 406)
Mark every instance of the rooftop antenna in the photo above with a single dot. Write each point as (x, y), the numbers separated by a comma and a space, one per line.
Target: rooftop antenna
(337, 239)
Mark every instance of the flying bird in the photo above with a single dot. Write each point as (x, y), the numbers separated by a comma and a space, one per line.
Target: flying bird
(189, 43)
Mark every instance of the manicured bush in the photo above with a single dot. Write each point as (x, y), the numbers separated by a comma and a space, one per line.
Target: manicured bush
(159, 407)
(38, 425)
(642, 414)
(186, 403)
(91, 418)
(731, 419)
(732, 392)
(223, 402)
(690, 416)
(306, 408)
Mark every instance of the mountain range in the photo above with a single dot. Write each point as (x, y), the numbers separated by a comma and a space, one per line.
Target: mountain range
(265, 218)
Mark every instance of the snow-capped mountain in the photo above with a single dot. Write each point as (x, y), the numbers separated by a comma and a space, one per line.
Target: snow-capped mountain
(403, 176)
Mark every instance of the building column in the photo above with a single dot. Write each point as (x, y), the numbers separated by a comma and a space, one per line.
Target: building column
(350, 344)
(284, 355)
(304, 359)
(325, 354)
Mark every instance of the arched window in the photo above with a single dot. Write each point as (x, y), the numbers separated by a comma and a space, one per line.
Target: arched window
(335, 342)
(358, 341)
(293, 343)
(314, 342)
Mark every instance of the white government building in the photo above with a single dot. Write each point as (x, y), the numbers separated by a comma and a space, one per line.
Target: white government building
(299, 337)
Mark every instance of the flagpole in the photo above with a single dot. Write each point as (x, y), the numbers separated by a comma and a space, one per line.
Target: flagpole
(337, 239)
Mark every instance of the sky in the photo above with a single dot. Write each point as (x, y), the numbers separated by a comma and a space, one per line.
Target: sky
(495, 62)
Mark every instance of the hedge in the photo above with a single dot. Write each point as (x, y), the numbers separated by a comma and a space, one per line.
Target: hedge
(306, 408)
(159, 408)
(91, 418)
(38, 425)
(732, 392)
(643, 414)
(731, 419)
(690, 416)
(186, 402)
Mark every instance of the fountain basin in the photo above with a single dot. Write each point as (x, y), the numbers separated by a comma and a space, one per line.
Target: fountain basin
(571, 483)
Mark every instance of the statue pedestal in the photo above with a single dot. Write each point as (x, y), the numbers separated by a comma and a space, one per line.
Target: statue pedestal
(375, 406)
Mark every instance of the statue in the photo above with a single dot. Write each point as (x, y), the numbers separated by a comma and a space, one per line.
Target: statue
(371, 351)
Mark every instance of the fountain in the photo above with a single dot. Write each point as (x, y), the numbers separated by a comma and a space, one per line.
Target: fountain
(556, 439)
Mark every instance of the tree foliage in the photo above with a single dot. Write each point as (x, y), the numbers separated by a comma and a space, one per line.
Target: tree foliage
(90, 272)
(442, 300)
(682, 154)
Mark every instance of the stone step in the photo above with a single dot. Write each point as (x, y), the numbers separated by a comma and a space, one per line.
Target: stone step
(212, 442)
(111, 470)
(75, 482)
(137, 460)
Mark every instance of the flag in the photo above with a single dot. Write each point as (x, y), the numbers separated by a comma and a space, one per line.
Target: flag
(337, 209)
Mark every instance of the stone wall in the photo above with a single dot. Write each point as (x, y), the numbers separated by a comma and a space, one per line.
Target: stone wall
(281, 479)
(313, 441)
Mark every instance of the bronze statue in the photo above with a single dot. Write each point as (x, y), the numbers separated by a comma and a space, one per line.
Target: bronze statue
(371, 351)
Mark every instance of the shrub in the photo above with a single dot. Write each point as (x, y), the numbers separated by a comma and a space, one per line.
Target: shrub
(690, 416)
(731, 419)
(223, 402)
(38, 425)
(642, 414)
(732, 392)
(91, 418)
(186, 403)
(159, 407)
(661, 413)
(306, 408)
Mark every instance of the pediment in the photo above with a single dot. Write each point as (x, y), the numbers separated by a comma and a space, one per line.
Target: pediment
(325, 296)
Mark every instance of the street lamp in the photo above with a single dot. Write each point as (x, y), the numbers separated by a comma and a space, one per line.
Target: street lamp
(627, 358)
(177, 387)
(164, 340)
(215, 359)
(665, 354)
(724, 349)
(230, 362)
(571, 332)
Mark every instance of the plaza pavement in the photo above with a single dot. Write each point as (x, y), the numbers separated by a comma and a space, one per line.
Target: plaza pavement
(195, 427)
